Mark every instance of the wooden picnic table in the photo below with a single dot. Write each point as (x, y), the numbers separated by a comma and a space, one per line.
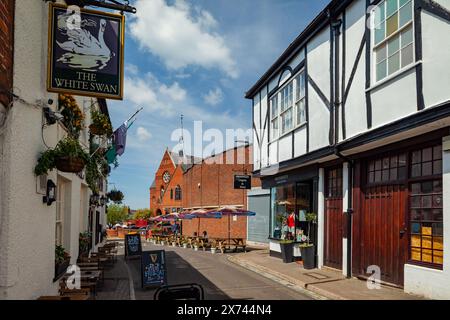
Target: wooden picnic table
(226, 243)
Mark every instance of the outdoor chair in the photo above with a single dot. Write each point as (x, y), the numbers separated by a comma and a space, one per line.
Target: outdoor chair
(189, 291)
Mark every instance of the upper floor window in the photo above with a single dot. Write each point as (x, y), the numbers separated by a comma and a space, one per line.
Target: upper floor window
(393, 39)
(274, 117)
(300, 99)
(288, 107)
(178, 193)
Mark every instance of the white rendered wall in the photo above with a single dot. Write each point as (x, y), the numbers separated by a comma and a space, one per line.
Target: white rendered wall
(300, 137)
(436, 59)
(345, 192)
(395, 99)
(355, 107)
(435, 284)
(321, 217)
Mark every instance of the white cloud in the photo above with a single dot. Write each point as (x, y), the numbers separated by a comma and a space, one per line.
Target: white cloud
(143, 134)
(147, 91)
(174, 91)
(181, 36)
(131, 69)
(213, 97)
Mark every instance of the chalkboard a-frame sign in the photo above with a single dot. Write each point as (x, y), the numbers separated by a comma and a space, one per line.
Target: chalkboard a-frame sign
(133, 246)
(153, 269)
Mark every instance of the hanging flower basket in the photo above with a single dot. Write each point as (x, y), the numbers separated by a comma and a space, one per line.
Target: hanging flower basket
(70, 164)
(95, 130)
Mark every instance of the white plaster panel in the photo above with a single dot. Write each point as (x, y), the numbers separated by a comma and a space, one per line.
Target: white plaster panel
(273, 83)
(284, 77)
(299, 57)
(285, 145)
(256, 159)
(273, 151)
(395, 99)
(436, 59)
(319, 60)
(300, 137)
(319, 125)
(444, 3)
(355, 108)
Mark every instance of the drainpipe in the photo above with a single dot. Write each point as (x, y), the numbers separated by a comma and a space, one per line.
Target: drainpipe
(349, 212)
(336, 26)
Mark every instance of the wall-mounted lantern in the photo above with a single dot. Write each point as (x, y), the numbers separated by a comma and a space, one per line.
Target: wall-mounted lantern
(103, 201)
(50, 194)
(94, 199)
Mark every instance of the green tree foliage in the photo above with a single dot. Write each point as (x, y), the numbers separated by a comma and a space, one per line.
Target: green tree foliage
(142, 214)
(116, 214)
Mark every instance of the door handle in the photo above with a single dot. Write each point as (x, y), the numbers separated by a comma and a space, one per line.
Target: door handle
(402, 232)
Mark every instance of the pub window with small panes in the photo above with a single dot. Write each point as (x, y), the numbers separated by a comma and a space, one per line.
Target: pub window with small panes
(334, 183)
(421, 171)
(425, 204)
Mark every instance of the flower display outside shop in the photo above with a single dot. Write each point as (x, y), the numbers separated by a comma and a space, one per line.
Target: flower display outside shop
(67, 156)
(73, 115)
(101, 124)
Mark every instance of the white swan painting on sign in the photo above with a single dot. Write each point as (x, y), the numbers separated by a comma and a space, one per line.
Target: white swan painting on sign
(88, 46)
(86, 52)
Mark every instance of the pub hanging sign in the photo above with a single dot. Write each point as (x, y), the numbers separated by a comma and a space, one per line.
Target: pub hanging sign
(85, 52)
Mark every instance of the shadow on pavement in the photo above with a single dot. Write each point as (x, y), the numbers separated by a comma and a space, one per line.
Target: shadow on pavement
(179, 271)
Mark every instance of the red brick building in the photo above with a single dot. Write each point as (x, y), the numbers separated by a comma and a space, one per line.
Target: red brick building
(166, 192)
(6, 49)
(210, 184)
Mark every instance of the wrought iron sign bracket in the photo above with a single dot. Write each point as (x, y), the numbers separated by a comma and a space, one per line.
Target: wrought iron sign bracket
(123, 6)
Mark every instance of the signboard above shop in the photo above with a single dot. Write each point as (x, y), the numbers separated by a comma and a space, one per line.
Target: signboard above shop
(242, 181)
(85, 52)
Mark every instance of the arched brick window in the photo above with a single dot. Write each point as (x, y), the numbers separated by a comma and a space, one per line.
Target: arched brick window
(178, 193)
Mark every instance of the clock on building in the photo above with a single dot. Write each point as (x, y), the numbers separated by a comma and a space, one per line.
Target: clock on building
(166, 177)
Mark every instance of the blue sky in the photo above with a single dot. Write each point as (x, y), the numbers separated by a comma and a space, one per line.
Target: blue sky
(195, 58)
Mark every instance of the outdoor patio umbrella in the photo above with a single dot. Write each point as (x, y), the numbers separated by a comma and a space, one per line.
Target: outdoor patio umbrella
(231, 211)
(202, 214)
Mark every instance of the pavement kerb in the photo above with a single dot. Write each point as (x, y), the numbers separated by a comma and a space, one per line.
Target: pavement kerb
(295, 284)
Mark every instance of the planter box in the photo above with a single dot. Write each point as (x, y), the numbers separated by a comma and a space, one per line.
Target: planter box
(287, 252)
(60, 269)
(112, 233)
(121, 233)
(308, 256)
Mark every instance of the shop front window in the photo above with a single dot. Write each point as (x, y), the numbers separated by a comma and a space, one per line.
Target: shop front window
(289, 206)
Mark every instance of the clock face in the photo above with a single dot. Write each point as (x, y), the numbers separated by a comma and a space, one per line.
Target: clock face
(166, 177)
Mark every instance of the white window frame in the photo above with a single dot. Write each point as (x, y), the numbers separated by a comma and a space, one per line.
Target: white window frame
(60, 210)
(293, 107)
(374, 46)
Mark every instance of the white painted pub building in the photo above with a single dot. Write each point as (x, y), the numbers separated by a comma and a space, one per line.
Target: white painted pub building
(352, 122)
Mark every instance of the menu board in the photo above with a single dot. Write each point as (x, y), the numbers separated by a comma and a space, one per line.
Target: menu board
(133, 246)
(153, 268)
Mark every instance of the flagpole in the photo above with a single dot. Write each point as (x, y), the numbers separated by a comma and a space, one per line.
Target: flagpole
(134, 115)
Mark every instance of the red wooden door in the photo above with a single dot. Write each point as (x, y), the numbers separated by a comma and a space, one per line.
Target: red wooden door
(333, 218)
(384, 240)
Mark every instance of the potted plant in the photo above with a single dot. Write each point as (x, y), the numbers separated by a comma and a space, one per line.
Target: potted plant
(115, 196)
(62, 260)
(185, 245)
(67, 156)
(73, 118)
(195, 247)
(213, 250)
(101, 125)
(112, 233)
(287, 250)
(85, 242)
(307, 248)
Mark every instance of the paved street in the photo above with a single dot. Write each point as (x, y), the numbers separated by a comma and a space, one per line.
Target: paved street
(220, 278)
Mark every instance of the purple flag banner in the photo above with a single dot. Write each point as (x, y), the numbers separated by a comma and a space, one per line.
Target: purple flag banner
(120, 139)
